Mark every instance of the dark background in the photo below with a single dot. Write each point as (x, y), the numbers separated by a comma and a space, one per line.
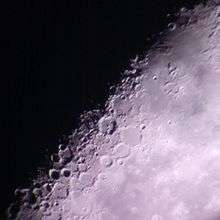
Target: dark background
(59, 58)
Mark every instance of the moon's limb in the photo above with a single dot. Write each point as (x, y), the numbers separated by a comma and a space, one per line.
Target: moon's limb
(155, 153)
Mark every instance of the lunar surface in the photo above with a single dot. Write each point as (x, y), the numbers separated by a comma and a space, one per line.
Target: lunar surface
(153, 153)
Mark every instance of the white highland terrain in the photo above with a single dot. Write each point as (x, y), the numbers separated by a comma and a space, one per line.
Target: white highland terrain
(154, 152)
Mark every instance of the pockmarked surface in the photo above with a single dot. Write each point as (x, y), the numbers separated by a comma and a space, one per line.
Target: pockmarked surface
(154, 153)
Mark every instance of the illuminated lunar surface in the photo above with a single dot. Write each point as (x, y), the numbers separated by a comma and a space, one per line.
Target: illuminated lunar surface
(154, 154)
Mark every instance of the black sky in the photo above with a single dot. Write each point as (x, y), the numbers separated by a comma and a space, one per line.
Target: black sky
(59, 59)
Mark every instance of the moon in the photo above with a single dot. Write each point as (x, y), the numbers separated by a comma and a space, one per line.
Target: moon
(154, 152)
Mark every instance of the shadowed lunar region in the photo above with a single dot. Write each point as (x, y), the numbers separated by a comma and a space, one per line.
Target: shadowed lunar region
(154, 153)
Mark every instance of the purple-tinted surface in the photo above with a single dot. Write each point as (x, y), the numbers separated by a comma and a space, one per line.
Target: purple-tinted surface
(155, 153)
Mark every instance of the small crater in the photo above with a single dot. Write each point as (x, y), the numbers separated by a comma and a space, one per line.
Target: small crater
(107, 125)
(37, 192)
(54, 174)
(55, 158)
(120, 162)
(106, 161)
(35, 207)
(47, 187)
(65, 172)
(61, 147)
(121, 151)
(56, 203)
(21, 193)
(65, 154)
(44, 206)
(171, 26)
